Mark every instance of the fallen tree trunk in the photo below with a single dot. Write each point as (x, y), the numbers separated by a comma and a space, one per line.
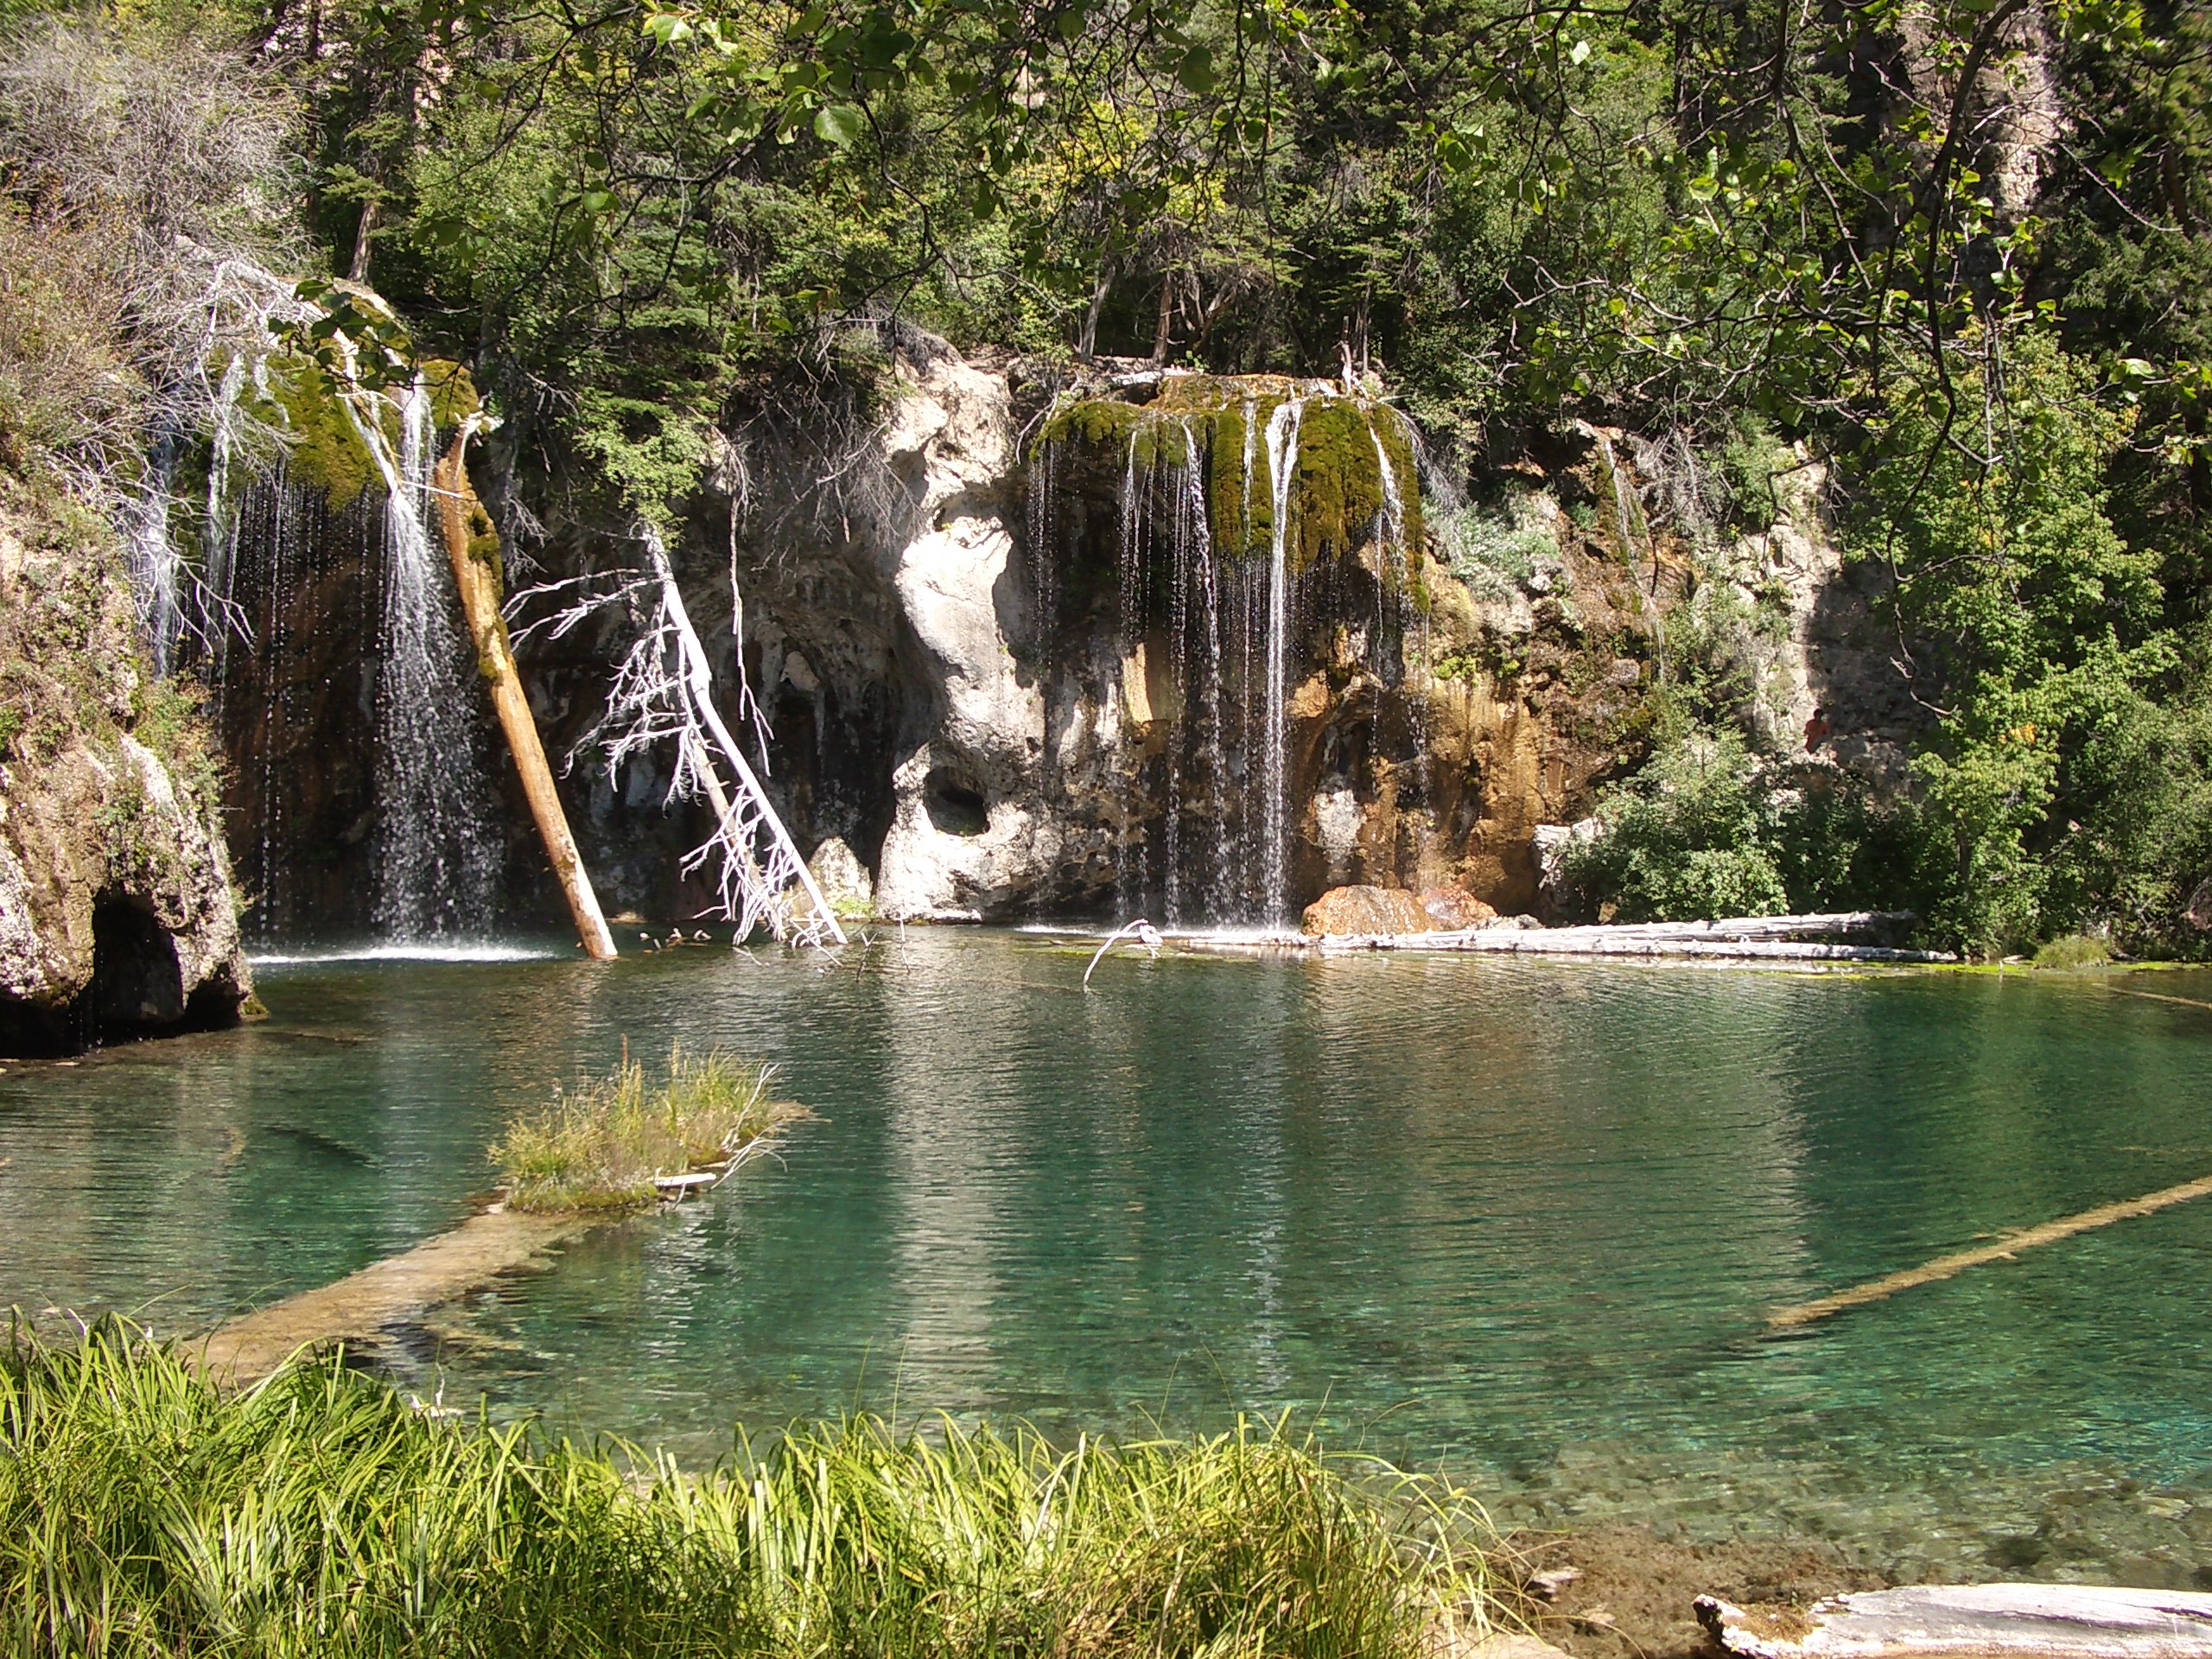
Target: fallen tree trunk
(1762, 938)
(487, 630)
(2053, 1621)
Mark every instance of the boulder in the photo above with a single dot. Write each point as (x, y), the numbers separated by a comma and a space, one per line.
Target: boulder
(1455, 909)
(1366, 909)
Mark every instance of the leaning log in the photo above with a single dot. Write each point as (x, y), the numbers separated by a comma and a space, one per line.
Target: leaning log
(2052, 1621)
(479, 604)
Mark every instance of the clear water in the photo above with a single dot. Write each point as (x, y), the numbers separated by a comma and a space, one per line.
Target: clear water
(1520, 1219)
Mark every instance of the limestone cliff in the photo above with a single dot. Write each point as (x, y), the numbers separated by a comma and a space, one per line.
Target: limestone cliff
(1031, 646)
(117, 913)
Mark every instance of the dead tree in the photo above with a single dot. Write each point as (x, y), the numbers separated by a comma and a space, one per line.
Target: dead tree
(663, 693)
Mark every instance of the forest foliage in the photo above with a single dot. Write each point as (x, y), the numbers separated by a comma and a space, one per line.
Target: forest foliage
(1960, 249)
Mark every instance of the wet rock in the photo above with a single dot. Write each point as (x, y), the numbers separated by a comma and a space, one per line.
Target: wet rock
(1454, 908)
(1366, 909)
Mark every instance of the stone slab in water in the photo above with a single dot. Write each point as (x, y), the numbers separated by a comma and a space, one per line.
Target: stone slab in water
(1997, 1620)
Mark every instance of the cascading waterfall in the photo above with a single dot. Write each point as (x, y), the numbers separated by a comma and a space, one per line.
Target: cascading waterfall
(155, 562)
(1282, 468)
(439, 848)
(1222, 571)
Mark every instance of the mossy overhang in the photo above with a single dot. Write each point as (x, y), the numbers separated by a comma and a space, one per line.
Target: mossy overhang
(1337, 495)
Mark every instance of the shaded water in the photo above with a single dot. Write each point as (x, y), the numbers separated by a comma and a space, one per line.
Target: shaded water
(1521, 1218)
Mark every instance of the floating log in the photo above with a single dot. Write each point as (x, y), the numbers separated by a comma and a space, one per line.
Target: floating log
(487, 630)
(675, 1186)
(2055, 1621)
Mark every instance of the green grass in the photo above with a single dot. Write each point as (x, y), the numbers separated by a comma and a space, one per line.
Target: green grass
(2075, 950)
(597, 1147)
(143, 1512)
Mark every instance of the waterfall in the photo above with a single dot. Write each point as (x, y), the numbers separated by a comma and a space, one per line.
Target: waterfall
(155, 562)
(1236, 525)
(1282, 469)
(439, 850)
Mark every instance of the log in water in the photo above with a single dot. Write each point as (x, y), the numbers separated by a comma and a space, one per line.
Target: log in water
(2058, 1621)
(1946, 1266)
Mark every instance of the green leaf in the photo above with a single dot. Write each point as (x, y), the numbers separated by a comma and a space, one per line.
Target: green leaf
(839, 123)
(1197, 70)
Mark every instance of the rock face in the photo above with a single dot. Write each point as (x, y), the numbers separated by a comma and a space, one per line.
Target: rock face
(117, 913)
(1028, 651)
(1366, 909)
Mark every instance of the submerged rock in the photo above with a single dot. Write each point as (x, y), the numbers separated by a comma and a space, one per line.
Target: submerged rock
(117, 913)
(1366, 909)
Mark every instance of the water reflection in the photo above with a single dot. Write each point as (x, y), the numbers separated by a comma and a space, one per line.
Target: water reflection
(1524, 1217)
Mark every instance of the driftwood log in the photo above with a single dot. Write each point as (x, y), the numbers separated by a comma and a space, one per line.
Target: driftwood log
(2063, 1620)
(1818, 938)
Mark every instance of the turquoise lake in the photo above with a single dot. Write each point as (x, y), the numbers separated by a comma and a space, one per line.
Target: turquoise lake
(1521, 1220)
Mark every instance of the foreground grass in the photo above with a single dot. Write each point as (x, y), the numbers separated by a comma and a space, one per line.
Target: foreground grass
(144, 1513)
(598, 1147)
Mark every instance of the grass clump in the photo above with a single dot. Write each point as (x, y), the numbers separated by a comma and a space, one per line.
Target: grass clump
(2075, 950)
(143, 1512)
(598, 1147)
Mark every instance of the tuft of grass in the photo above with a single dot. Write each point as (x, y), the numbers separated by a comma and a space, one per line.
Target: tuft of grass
(2075, 950)
(598, 1147)
(144, 1513)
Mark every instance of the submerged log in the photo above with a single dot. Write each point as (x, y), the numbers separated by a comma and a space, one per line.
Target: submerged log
(361, 1306)
(1947, 1266)
(487, 629)
(2063, 1620)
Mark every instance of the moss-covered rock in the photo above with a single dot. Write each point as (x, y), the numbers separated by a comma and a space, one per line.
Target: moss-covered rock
(324, 447)
(1339, 499)
(117, 912)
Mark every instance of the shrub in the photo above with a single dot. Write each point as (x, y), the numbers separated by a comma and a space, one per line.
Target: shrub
(1688, 836)
(2075, 950)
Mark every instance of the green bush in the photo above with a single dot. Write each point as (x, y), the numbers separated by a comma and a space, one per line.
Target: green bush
(2075, 950)
(1690, 835)
(1706, 829)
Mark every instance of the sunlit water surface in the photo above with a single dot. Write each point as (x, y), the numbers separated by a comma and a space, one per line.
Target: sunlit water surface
(1524, 1220)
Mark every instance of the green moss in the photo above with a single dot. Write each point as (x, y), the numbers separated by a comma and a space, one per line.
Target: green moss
(326, 450)
(454, 396)
(1337, 493)
(1100, 423)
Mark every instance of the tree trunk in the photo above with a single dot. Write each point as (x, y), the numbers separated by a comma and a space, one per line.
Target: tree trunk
(1164, 335)
(487, 629)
